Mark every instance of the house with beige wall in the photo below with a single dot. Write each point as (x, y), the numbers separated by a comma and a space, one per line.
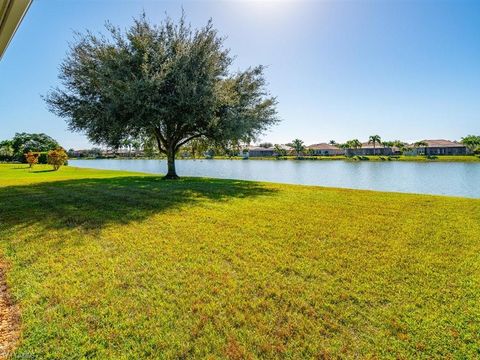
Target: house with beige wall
(439, 147)
(324, 149)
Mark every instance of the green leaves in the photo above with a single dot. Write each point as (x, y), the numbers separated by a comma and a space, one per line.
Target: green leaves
(472, 142)
(22, 143)
(298, 146)
(170, 81)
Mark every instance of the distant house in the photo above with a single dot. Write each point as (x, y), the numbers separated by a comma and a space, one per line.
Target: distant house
(128, 152)
(257, 151)
(79, 153)
(108, 153)
(288, 149)
(325, 149)
(440, 147)
(368, 149)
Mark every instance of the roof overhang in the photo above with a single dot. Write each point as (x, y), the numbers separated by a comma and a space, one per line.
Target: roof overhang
(11, 15)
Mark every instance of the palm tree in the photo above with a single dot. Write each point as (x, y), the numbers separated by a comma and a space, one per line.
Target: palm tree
(353, 144)
(374, 139)
(472, 142)
(423, 144)
(343, 146)
(298, 146)
(279, 150)
(333, 143)
(356, 144)
(400, 145)
(391, 145)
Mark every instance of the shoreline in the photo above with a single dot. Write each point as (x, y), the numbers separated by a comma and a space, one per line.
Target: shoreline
(376, 158)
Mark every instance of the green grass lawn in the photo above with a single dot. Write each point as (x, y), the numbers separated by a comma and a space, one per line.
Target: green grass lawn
(120, 265)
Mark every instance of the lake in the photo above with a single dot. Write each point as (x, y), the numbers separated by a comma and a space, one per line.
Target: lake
(442, 178)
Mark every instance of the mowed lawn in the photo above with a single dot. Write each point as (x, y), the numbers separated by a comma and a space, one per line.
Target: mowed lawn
(119, 265)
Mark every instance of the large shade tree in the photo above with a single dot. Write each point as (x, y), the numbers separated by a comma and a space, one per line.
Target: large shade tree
(169, 81)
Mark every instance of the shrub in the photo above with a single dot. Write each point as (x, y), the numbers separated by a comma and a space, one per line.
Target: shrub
(31, 158)
(57, 158)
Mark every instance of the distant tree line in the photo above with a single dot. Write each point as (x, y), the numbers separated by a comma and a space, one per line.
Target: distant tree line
(16, 148)
(206, 148)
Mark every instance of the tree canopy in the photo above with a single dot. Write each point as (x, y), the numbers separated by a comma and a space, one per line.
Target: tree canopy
(168, 81)
(298, 146)
(23, 143)
(354, 144)
(472, 142)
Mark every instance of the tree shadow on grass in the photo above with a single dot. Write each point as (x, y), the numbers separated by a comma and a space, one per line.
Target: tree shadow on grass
(42, 171)
(95, 203)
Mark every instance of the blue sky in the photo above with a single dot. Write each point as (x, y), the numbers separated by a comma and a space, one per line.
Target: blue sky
(404, 70)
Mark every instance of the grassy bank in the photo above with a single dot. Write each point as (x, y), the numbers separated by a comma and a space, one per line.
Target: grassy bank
(120, 265)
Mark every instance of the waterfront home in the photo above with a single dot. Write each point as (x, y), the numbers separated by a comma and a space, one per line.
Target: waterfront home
(258, 151)
(439, 147)
(325, 149)
(368, 150)
(288, 149)
(78, 153)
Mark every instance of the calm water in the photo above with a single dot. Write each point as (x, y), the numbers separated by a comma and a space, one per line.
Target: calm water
(457, 179)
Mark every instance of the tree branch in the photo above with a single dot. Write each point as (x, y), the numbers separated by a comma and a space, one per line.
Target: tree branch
(162, 143)
(187, 140)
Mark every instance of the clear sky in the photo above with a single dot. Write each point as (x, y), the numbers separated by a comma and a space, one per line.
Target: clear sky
(405, 70)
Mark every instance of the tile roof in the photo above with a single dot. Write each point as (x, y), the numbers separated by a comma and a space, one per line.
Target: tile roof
(366, 145)
(443, 143)
(323, 146)
(259, 148)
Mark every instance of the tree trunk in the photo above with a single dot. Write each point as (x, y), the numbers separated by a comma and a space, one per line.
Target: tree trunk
(171, 173)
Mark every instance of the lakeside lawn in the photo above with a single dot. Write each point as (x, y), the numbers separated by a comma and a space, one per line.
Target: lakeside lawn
(120, 265)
